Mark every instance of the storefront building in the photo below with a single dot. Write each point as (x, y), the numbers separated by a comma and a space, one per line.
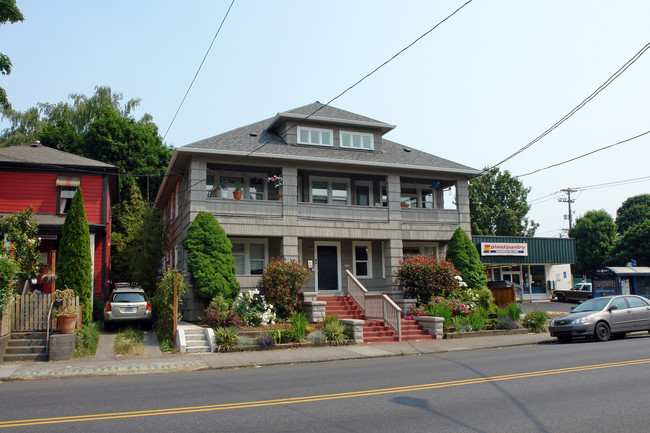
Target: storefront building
(622, 281)
(537, 265)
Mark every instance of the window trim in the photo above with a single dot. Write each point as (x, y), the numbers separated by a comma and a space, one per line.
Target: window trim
(247, 256)
(320, 136)
(368, 262)
(360, 134)
(329, 181)
(421, 246)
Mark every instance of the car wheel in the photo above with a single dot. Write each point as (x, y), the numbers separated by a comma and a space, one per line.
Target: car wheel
(564, 339)
(602, 332)
(561, 297)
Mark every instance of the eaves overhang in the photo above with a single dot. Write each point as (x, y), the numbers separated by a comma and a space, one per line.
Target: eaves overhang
(469, 172)
(384, 127)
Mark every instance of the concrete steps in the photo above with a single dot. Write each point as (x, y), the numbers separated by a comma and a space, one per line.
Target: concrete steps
(194, 339)
(26, 346)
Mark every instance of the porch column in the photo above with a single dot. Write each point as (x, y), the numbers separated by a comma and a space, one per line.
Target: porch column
(393, 255)
(289, 248)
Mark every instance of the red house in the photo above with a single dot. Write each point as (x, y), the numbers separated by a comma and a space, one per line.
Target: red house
(47, 179)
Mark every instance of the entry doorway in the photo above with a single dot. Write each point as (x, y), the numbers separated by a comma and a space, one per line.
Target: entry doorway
(328, 261)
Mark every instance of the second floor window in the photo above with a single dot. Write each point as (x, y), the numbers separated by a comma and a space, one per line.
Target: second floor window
(330, 191)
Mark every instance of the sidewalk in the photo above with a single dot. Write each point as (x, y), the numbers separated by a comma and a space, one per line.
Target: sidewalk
(106, 364)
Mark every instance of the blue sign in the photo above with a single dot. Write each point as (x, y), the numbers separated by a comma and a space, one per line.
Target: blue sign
(604, 287)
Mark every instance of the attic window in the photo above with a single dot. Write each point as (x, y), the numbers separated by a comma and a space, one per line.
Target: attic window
(314, 136)
(357, 140)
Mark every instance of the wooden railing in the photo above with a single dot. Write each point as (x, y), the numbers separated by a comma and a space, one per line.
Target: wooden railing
(30, 312)
(375, 305)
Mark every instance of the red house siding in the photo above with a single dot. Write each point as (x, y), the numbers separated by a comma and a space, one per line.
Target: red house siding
(20, 190)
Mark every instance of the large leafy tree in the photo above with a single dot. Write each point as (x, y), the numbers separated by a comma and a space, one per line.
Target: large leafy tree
(633, 211)
(462, 253)
(498, 205)
(74, 265)
(9, 12)
(99, 127)
(595, 234)
(139, 240)
(634, 244)
(210, 260)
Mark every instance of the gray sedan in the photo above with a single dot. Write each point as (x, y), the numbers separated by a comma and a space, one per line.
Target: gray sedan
(603, 317)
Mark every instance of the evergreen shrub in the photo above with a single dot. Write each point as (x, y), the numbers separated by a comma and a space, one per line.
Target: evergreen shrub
(424, 277)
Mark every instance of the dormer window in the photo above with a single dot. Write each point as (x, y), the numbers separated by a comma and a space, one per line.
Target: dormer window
(357, 140)
(314, 136)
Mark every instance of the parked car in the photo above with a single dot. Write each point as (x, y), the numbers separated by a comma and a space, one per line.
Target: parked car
(603, 317)
(127, 303)
(580, 292)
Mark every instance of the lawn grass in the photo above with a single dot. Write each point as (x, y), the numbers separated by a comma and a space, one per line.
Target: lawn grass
(129, 342)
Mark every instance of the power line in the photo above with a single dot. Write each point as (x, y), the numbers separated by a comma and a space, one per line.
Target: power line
(582, 104)
(584, 154)
(199, 69)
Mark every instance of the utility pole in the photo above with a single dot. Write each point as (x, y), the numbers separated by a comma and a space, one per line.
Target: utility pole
(568, 200)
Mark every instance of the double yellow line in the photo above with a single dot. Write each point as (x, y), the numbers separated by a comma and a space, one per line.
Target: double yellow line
(314, 398)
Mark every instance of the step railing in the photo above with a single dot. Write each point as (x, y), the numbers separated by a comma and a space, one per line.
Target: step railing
(375, 305)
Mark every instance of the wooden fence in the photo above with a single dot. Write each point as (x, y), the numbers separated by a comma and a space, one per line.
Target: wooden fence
(29, 313)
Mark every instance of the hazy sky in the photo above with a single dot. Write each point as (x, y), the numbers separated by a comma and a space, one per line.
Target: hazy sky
(475, 90)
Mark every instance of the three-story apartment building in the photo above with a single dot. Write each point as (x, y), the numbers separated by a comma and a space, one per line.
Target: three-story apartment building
(319, 185)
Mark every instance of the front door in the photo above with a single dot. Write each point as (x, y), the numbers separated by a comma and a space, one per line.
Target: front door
(515, 277)
(327, 267)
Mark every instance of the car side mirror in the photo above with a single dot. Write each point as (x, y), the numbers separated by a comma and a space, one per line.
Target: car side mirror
(613, 307)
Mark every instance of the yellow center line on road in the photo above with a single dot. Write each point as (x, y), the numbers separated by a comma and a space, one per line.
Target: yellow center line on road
(315, 398)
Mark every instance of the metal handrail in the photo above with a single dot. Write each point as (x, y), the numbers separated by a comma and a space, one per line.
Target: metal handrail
(385, 309)
(55, 303)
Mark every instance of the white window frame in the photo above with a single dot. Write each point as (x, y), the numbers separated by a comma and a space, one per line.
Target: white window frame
(361, 135)
(66, 194)
(329, 181)
(247, 253)
(418, 195)
(320, 136)
(370, 191)
(368, 262)
(246, 178)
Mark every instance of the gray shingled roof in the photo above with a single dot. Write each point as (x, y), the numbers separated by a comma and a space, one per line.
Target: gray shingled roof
(42, 155)
(268, 143)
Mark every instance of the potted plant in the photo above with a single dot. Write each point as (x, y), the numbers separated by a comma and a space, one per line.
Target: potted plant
(66, 312)
(275, 180)
(405, 203)
(239, 187)
(223, 185)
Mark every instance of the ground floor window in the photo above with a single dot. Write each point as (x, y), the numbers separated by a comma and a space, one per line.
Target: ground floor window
(414, 249)
(362, 257)
(251, 255)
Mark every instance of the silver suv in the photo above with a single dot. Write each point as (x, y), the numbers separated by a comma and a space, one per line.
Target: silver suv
(127, 303)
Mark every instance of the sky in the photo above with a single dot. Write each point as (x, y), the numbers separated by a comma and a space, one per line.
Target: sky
(482, 85)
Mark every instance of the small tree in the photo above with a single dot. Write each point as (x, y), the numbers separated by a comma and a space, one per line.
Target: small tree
(210, 260)
(462, 253)
(424, 277)
(74, 267)
(163, 305)
(8, 272)
(21, 230)
(280, 284)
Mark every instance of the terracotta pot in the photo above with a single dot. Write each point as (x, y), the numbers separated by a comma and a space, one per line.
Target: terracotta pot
(237, 194)
(66, 323)
(405, 205)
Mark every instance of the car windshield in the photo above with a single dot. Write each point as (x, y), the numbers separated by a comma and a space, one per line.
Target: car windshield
(128, 297)
(597, 304)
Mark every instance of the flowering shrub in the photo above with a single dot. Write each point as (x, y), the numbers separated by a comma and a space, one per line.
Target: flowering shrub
(275, 180)
(220, 315)
(265, 339)
(253, 309)
(424, 277)
(280, 284)
(414, 311)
